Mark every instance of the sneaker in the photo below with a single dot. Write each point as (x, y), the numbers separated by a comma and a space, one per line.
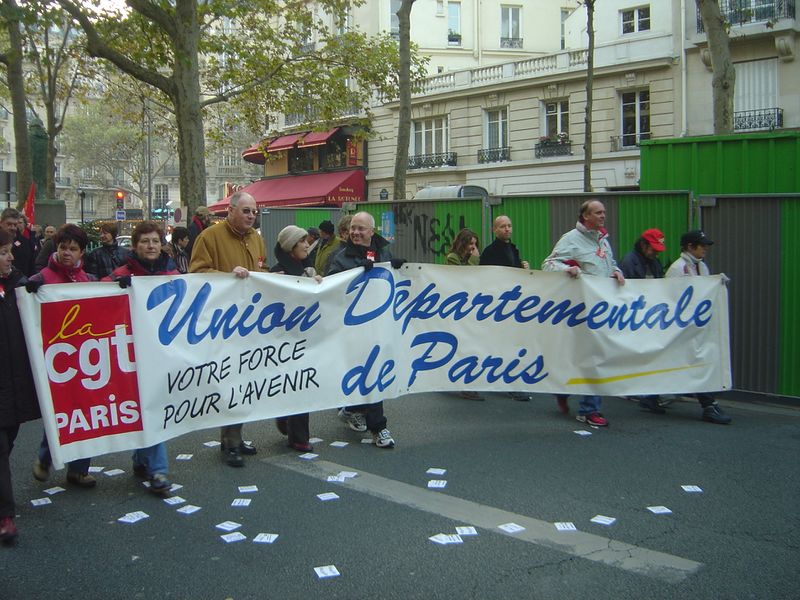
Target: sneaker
(41, 471)
(159, 484)
(8, 531)
(520, 396)
(354, 420)
(301, 446)
(563, 407)
(247, 449)
(83, 480)
(595, 419)
(714, 414)
(651, 403)
(383, 439)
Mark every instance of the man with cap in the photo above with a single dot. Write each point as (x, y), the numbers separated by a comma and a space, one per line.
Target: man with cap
(643, 263)
(199, 222)
(694, 246)
(232, 247)
(328, 242)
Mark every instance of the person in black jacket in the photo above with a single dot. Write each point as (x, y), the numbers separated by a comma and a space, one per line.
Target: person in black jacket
(17, 393)
(102, 261)
(501, 252)
(643, 262)
(22, 248)
(363, 249)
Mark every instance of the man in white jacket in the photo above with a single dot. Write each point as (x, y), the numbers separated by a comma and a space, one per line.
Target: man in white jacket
(585, 249)
(694, 246)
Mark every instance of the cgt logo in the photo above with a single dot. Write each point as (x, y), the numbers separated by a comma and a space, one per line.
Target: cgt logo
(88, 351)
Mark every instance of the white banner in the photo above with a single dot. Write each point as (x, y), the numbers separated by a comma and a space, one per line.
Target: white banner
(119, 369)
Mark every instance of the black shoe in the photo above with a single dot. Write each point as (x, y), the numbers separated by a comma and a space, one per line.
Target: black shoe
(714, 414)
(280, 423)
(651, 403)
(233, 457)
(470, 395)
(247, 449)
(520, 396)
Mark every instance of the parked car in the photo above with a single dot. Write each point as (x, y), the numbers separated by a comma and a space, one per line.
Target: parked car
(124, 241)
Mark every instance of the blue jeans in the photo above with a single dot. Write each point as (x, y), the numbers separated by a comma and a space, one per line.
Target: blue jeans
(76, 466)
(153, 459)
(589, 405)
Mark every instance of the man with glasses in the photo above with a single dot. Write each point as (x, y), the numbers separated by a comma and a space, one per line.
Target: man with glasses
(232, 246)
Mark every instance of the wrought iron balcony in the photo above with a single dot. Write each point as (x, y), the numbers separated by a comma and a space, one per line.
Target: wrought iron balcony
(490, 155)
(737, 12)
(547, 148)
(628, 141)
(764, 118)
(510, 42)
(426, 161)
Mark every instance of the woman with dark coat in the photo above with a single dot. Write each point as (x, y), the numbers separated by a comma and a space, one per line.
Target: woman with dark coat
(291, 251)
(17, 393)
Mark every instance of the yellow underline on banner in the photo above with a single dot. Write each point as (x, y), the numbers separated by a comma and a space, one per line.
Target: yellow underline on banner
(595, 380)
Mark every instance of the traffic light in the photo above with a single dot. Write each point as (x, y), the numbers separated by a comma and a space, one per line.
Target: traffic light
(120, 197)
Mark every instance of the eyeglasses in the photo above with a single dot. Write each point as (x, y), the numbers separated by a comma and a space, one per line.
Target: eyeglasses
(249, 211)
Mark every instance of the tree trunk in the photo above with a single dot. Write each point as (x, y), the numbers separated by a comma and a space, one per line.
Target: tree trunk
(16, 86)
(724, 79)
(188, 110)
(404, 117)
(587, 144)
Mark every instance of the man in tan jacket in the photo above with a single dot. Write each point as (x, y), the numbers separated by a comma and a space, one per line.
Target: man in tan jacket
(232, 246)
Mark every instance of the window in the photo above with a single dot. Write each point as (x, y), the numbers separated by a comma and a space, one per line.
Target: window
(635, 117)
(161, 194)
(565, 12)
(454, 23)
(497, 128)
(229, 157)
(439, 8)
(510, 33)
(343, 22)
(636, 19)
(301, 159)
(394, 20)
(755, 98)
(556, 118)
(430, 136)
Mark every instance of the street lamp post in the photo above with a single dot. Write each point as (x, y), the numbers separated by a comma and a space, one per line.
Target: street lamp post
(82, 196)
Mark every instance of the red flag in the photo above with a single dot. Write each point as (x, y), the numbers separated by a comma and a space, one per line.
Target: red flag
(29, 210)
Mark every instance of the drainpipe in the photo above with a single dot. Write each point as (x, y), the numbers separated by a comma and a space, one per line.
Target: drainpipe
(684, 75)
(477, 52)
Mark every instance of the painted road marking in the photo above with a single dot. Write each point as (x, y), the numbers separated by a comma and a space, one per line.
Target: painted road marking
(651, 563)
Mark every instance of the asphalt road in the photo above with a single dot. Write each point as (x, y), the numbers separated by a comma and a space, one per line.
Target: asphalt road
(506, 462)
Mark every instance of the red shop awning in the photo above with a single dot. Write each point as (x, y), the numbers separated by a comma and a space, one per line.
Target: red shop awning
(254, 154)
(317, 138)
(321, 189)
(284, 142)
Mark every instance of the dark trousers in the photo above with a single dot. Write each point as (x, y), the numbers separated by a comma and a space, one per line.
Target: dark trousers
(373, 414)
(7, 437)
(296, 428)
(231, 436)
(704, 399)
(76, 466)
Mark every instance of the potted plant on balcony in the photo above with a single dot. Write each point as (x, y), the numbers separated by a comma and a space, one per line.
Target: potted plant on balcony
(453, 37)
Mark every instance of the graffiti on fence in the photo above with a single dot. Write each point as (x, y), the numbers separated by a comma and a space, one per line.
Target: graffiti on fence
(430, 234)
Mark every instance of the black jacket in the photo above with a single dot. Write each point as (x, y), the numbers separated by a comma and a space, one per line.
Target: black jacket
(24, 251)
(501, 254)
(102, 261)
(352, 256)
(17, 393)
(635, 265)
(287, 264)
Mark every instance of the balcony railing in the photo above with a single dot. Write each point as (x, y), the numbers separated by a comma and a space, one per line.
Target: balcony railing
(548, 148)
(510, 42)
(629, 141)
(737, 12)
(426, 161)
(764, 118)
(490, 155)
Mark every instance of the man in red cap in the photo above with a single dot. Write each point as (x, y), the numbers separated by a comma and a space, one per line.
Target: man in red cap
(643, 263)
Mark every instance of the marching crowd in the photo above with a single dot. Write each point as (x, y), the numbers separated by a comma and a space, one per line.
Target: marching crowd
(31, 257)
